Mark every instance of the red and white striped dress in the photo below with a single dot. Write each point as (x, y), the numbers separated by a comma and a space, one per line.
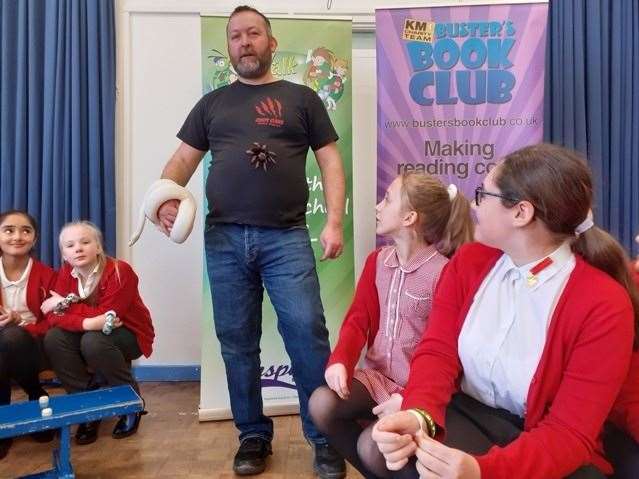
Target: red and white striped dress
(405, 299)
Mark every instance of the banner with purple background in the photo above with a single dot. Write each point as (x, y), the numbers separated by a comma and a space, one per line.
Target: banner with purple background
(458, 88)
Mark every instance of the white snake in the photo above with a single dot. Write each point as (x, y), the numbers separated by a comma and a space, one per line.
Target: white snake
(159, 192)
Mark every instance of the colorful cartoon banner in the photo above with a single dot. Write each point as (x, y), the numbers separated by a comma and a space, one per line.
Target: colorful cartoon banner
(315, 52)
(458, 88)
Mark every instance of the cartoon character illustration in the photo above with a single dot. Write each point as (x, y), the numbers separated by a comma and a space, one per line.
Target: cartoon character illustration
(324, 94)
(326, 75)
(319, 63)
(222, 73)
(335, 83)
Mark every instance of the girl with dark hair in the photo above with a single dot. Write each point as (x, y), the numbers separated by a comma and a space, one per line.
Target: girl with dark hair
(426, 222)
(529, 338)
(98, 321)
(25, 283)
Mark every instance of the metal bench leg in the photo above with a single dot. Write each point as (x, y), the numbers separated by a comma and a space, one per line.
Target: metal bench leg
(62, 456)
(62, 468)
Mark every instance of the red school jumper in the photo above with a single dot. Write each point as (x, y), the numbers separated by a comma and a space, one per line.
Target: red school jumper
(583, 365)
(41, 280)
(117, 291)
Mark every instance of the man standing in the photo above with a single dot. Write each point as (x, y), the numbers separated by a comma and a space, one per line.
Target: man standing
(259, 130)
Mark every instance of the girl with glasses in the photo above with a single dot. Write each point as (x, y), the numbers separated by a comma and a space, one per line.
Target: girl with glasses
(529, 338)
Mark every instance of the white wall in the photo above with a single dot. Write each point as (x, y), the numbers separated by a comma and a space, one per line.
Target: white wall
(162, 84)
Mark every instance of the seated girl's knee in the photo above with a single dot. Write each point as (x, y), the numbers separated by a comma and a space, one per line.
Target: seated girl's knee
(12, 334)
(93, 344)
(322, 403)
(365, 443)
(53, 339)
(369, 454)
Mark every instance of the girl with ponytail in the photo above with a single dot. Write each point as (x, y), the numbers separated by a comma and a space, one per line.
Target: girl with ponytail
(99, 323)
(426, 222)
(529, 339)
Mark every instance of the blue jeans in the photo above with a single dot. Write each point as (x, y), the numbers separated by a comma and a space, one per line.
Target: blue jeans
(242, 261)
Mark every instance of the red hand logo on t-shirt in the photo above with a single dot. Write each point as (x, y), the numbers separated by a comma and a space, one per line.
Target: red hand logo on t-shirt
(270, 112)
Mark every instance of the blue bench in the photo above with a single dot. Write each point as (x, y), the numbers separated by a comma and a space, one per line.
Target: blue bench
(26, 417)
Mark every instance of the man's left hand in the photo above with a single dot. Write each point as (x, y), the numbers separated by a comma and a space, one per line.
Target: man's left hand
(332, 239)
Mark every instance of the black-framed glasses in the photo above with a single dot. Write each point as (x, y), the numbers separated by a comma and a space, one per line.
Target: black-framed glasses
(480, 192)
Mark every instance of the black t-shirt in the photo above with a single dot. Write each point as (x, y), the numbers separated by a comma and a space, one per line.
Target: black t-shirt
(247, 127)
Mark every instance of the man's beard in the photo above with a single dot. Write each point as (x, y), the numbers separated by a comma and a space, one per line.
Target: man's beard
(256, 67)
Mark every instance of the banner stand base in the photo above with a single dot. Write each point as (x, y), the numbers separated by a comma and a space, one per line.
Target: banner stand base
(224, 414)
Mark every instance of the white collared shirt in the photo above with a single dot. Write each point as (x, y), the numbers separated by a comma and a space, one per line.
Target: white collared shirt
(14, 293)
(90, 283)
(505, 330)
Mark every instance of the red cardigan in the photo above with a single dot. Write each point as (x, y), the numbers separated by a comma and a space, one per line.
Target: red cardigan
(117, 291)
(41, 280)
(361, 322)
(584, 362)
(625, 413)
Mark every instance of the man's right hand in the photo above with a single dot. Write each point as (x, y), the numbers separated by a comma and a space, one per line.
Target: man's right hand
(179, 168)
(167, 214)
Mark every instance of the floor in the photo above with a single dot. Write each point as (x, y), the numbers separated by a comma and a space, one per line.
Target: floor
(171, 443)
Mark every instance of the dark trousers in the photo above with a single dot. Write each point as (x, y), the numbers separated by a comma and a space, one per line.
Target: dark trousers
(72, 354)
(474, 428)
(622, 451)
(19, 361)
